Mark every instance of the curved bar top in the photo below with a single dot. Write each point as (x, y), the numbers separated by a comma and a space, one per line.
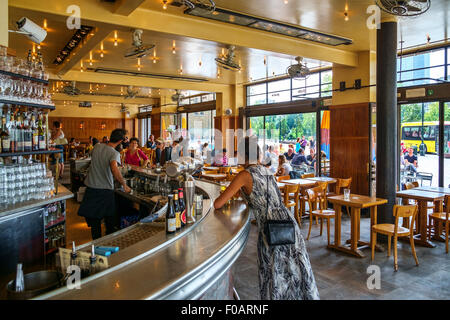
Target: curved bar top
(183, 267)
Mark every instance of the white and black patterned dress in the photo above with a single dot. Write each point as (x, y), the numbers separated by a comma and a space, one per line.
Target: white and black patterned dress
(284, 271)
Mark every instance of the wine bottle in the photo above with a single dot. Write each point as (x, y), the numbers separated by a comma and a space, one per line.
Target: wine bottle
(27, 134)
(4, 136)
(182, 207)
(177, 210)
(12, 132)
(19, 133)
(41, 133)
(171, 226)
(35, 134)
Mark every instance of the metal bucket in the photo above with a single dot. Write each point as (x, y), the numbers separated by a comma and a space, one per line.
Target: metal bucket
(36, 283)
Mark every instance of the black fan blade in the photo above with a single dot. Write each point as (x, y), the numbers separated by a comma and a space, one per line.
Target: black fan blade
(412, 8)
(422, 1)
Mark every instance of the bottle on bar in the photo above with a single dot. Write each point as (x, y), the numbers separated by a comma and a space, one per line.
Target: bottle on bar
(35, 134)
(19, 134)
(177, 210)
(12, 132)
(92, 260)
(41, 133)
(4, 136)
(182, 207)
(171, 220)
(27, 134)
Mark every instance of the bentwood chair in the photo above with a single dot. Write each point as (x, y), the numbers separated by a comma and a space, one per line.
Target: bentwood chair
(394, 230)
(314, 196)
(442, 217)
(307, 175)
(281, 178)
(290, 199)
(342, 184)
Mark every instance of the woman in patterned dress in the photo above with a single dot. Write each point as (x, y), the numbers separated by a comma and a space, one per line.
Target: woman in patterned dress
(284, 271)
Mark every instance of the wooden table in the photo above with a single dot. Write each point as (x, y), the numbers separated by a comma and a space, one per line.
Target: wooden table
(356, 203)
(422, 198)
(214, 176)
(434, 189)
(323, 179)
(211, 168)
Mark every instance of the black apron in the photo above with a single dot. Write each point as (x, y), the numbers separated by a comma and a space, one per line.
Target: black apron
(97, 203)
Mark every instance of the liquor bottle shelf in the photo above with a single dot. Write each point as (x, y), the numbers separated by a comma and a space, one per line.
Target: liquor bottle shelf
(27, 104)
(15, 154)
(17, 75)
(56, 222)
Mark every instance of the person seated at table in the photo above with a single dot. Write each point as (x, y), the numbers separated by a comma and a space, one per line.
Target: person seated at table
(221, 160)
(126, 143)
(105, 139)
(284, 168)
(176, 151)
(411, 161)
(300, 158)
(151, 143)
(73, 143)
(312, 157)
(160, 154)
(205, 149)
(134, 155)
(271, 157)
(289, 154)
(90, 146)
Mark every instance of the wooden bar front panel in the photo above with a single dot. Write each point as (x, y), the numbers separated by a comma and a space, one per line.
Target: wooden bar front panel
(349, 145)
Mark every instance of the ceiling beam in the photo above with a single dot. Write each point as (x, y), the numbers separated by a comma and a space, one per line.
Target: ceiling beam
(196, 28)
(102, 99)
(126, 7)
(100, 34)
(113, 79)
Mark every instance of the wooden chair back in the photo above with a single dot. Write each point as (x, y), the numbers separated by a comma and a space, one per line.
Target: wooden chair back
(224, 170)
(288, 189)
(313, 197)
(343, 183)
(409, 185)
(405, 211)
(308, 175)
(415, 184)
(210, 172)
(281, 178)
(323, 185)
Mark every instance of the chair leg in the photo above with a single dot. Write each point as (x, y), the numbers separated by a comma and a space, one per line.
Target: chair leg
(413, 249)
(395, 254)
(310, 224)
(389, 246)
(446, 236)
(321, 226)
(317, 220)
(374, 242)
(328, 230)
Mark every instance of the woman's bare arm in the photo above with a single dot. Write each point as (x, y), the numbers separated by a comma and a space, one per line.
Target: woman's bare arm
(243, 179)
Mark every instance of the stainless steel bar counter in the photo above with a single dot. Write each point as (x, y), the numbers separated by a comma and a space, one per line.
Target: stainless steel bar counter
(194, 263)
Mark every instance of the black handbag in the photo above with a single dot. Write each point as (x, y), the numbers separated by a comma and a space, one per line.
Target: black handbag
(278, 232)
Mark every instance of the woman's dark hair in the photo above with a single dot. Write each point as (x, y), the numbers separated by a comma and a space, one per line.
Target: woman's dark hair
(94, 141)
(205, 144)
(117, 135)
(134, 139)
(72, 139)
(224, 150)
(57, 124)
(251, 142)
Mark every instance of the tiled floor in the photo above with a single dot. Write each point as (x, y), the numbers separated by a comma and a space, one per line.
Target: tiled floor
(340, 276)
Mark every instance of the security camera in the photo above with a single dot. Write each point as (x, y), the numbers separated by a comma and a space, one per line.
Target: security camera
(228, 112)
(31, 30)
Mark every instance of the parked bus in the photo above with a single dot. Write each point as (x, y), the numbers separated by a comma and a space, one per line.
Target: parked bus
(411, 135)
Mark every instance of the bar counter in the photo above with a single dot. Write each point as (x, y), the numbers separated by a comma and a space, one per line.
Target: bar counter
(193, 263)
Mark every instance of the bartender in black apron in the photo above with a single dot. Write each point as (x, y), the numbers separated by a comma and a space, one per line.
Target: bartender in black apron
(98, 202)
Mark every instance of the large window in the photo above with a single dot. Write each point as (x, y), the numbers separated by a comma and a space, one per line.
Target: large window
(200, 126)
(316, 85)
(145, 130)
(423, 68)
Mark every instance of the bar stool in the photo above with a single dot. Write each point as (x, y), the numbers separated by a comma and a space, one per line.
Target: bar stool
(313, 196)
(442, 217)
(396, 231)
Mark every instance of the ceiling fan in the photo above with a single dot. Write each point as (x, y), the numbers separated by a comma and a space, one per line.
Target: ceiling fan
(71, 90)
(404, 8)
(177, 96)
(298, 70)
(123, 108)
(227, 61)
(139, 49)
(131, 94)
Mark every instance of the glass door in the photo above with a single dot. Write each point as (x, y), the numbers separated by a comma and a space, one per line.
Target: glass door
(419, 142)
(446, 153)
